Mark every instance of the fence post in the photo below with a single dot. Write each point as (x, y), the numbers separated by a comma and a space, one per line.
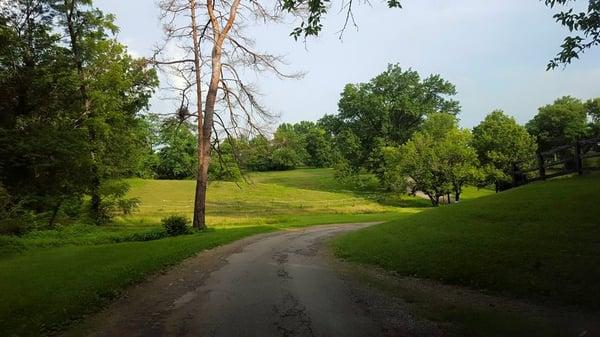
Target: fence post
(578, 160)
(541, 166)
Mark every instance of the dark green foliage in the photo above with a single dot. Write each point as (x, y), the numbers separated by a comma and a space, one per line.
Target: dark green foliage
(560, 123)
(114, 200)
(48, 157)
(177, 151)
(500, 142)
(258, 154)
(316, 143)
(224, 164)
(585, 27)
(151, 235)
(176, 225)
(438, 160)
(305, 143)
(386, 111)
(592, 108)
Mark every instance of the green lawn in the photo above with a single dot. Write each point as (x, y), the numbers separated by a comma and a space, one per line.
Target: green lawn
(538, 241)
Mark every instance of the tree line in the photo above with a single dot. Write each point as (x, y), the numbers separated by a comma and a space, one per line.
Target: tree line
(400, 127)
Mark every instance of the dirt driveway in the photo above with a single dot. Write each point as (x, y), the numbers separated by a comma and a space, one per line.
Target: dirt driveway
(287, 284)
(277, 284)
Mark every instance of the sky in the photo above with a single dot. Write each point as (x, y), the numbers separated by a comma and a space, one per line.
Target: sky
(494, 51)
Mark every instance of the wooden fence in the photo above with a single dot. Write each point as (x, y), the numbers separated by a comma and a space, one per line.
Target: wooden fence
(581, 157)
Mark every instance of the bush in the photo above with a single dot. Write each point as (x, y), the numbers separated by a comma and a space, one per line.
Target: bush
(176, 225)
(144, 236)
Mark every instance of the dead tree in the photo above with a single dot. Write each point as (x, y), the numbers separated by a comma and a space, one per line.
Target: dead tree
(208, 57)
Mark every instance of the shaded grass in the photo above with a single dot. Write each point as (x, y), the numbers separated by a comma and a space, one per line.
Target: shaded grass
(460, 314)
(538, 241)
(47, 289)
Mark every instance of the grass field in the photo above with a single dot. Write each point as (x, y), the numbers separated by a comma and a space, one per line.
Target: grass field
(267, 198)
(51, 278)
(538, 241)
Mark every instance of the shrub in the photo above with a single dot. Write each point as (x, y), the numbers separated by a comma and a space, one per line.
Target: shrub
(176, 225)
(144, 236)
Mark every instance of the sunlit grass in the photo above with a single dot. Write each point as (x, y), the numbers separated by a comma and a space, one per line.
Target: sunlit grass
(265, 198)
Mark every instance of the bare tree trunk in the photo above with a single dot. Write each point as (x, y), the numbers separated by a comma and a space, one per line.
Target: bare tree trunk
(229, 49)
(204, 136)
(201, 179)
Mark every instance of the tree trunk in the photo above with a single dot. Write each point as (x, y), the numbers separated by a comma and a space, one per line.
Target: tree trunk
(205, 132)
(457, 196)
(87, 113)
(435, 200)
(199, 221)
(54, 214)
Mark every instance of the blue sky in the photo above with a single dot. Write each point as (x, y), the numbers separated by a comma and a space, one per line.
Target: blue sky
(494, 51)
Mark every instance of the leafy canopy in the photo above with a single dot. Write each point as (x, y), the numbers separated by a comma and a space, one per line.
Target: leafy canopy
(499, 142)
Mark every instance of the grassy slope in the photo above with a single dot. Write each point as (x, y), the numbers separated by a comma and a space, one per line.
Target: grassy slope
(540, 241)
(267, 197)
(44, 289)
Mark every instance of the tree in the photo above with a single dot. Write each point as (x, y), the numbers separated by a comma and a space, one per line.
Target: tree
(288, 144)
(592, 108)
(113, 87)
(500, 142)
(177, 158)
(317, 144)
(225, 166)
(439, 159)
(71, 117)
(584, 25)
(560, 123)
(387, 110)
(258, 154)
(42, 156)
(211, 37)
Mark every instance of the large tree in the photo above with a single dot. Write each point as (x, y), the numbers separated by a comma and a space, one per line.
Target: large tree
(560, 123)
(216, 55)
(70, 118)
(387, 110)
(439, 159)
(42, 156)
(500, 142)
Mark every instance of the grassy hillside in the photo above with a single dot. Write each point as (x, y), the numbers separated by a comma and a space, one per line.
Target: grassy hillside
(266, 197)
(541, 240)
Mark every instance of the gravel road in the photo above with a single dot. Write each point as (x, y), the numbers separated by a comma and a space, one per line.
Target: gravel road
(277, 284)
